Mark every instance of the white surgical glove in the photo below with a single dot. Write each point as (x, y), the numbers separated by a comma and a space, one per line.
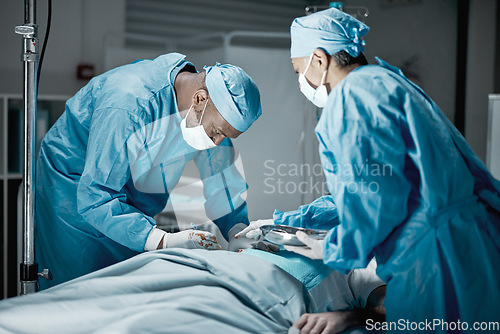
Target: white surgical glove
(193, 239)
(253, 231)
(314, 249)
(235, 244)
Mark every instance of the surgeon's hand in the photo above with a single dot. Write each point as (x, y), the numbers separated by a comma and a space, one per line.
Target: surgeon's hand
(314, 249)
(324, 323)
(193, 239)
(253, 231)
(235, 244)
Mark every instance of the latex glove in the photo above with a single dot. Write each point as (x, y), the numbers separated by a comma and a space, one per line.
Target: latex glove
(253, 231)
(193, 239)
(236, 244)
(314, 249)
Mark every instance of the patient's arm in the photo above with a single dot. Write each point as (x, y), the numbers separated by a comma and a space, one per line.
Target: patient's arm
(335, 322)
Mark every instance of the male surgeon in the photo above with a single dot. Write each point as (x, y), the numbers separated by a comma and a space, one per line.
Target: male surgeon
(109, 163)
(431, 218)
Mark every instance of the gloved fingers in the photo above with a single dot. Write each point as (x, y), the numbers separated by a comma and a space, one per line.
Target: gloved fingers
(202, 239)
(253, 234)
(245, 231)
(306, 240)
(254, 226)
(236, 245)
(314, 249)
(299, 250)
(210, 245)
(238, 227)
(203, 235)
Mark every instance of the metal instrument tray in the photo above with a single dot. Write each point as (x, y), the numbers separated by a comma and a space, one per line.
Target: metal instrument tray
(285, 235)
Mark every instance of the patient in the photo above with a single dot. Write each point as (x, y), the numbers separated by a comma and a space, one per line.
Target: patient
(192, 291)
(341, 301)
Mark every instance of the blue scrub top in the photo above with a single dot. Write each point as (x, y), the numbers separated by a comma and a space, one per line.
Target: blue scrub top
(407, 189)
(108, 164)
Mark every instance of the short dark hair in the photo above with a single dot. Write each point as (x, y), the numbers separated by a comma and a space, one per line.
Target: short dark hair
(344, 59)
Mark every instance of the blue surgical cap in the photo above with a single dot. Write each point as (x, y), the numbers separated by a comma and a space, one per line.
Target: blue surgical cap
(235, 95)
(331, 30)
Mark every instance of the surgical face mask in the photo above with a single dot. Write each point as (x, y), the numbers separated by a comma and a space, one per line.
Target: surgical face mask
(196, 136)
(318, 96)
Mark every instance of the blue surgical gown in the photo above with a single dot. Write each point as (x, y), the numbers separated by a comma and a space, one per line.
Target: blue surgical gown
(320, 214)
(108, 164)
(408, 190)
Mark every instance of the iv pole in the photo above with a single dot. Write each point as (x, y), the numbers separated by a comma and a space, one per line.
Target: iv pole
(29, 268)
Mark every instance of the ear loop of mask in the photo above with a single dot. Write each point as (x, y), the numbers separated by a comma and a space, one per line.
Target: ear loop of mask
(308, 63)
(202, 113)
(307, 67)
(322, 79)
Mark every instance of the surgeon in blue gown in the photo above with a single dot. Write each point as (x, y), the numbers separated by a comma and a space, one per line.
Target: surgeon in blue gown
(109, 163)
(405, 186)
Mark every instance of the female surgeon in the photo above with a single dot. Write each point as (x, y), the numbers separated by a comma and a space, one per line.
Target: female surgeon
(405, 186)
(108, 165)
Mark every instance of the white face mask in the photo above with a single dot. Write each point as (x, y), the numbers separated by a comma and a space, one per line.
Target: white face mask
(196, 136)
(318, 96)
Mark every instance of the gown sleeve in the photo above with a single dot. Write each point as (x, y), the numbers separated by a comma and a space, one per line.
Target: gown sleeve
(320, 214)
(363, 151)
(101, 199)
(224, 187)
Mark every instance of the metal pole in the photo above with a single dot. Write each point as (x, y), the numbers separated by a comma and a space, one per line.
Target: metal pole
(29, 268)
